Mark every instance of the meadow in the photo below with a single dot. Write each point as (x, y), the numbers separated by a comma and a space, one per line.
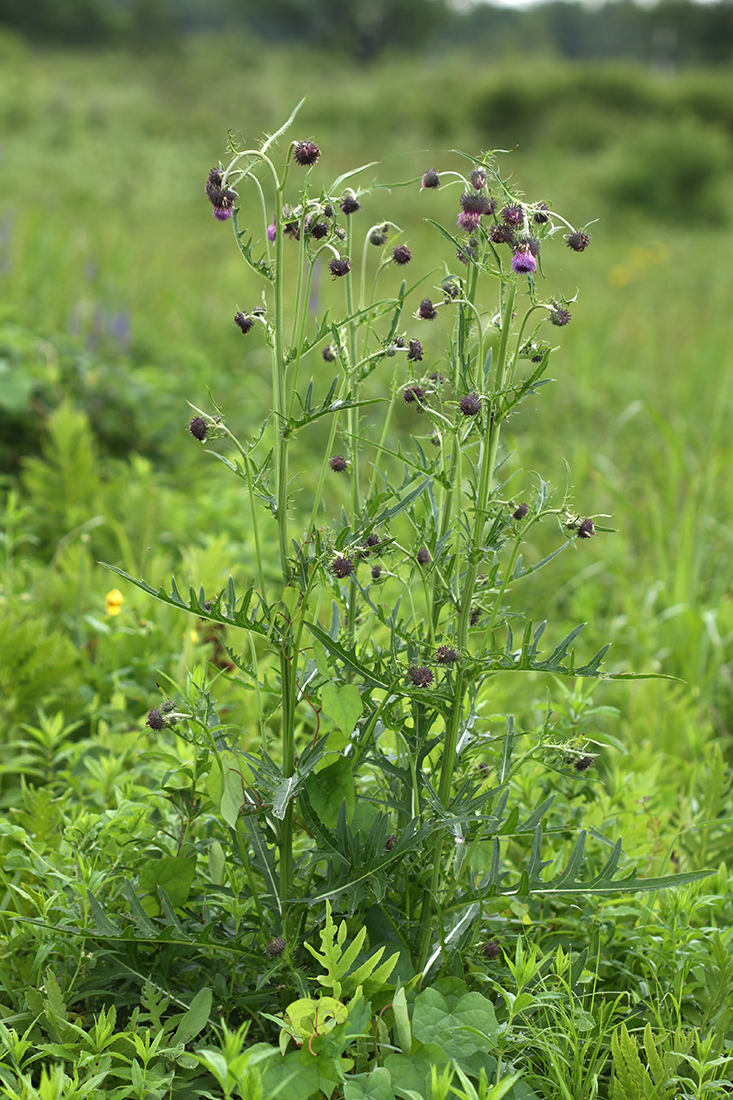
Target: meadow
(117, 292)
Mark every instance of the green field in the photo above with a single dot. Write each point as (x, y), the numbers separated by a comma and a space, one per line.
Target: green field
(117, 292)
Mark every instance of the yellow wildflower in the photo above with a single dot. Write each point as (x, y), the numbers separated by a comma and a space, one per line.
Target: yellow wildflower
(113, 602)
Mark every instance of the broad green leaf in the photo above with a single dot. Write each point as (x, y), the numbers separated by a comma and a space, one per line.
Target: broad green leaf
(410, 1074)
(376, 1085)
(286, 1078)
(328, 788)
(402, 1020)
(217, 863)
(434, 1021)
(174, 873)
(342, 702)
(196, 1019)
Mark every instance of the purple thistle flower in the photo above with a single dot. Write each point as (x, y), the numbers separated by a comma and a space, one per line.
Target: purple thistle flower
(275, 947)
(420, 675)
(446, 655)
(415, 352)
(431, 178)
(349, 204)
(318, 230)
(586, 529)
(305, 153)
(468, 221)
(198, 428)
(401, 255)
(478, 178)
(411, 394)
(523, 262)
(470, 404)
(426, 310)
(155, 719)
(272, 230)
(502, 234)
(329, 353)
(541, 215)
(513, 214)
(376, 572)
(491, 950)
(559, 316)
(342, 567)
(339, 267)
(577, 241)
(338, 463)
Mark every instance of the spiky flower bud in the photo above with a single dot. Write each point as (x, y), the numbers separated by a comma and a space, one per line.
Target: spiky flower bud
(411, 394)
(342, 567)
(478, 178)
(491, 950)
(426, 310)
(305, 153)
(541, 215)
(474, 616)
(390, 842)
(275, 947)
(559, 316)
(420, 675)
(155, 719)
(376, 572)
(577, 241)
(349, 204)
(198, 428)
(431, 178)
(446, 655)
(339, 266)
(470, 404)
(513, 214)
(318, 230)
(329, 353)
(416, 351)
(401, 255)
(586, 529)
(451, 289)
(338, 463)
(521, 512)
(423, 556)
(378, 235)
(244, 321)
(502, 234)
(583, 763)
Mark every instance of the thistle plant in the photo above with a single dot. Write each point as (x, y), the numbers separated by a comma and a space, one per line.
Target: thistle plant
(382, 626)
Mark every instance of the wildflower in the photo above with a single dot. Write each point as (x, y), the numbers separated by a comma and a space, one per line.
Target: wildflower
(412, 394)
(244, 321)
(155, 719)
(342, 567)
(491, 950)
(438, 379)
(221, 198)
(583, 763)
(318, 230)
(275, 947)
(272, 230)
(559, 316)
(521, 512)
(577, 241)
(470, 404)
(339, 266)
(215, 179)
(401, 255)
(329, 353)
(450, 289)
(446, 655)
(305, 153)
(349, 204)
(198, 429)
(523, 262)
(426, 310)
(478, 178)
(113, 602)
(473, 207)
(415, 352)
(513, 214)
(586, 529)
(502, 234)
(390, 842)
(338, 463)
(420, 675)
(423, 556)
(376, 572)
(541, 215)
(431, 178)
(378, 235)
(532, 243)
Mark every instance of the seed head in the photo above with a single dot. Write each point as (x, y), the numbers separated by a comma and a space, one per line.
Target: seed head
(415, 352)
(470, 404)
(491, 950)
(446, 655)
(521, 512)
(478, 178)
(329, 353)
(431, 178)
(513, 214)
(423, 556)
(155, 719)
(583, 763)
(420, 675)
(523, 262)
(586, 529)
(412, 394)
(338, 463)
(339, 266)
(378, 235)
(198, 428)
(244, 321)
(559, 316)
(275, 947)
(349, 204)
(305, 153)
(577, 241)
(426, 310)
(401, 255)
(541, 215)
(342, 567)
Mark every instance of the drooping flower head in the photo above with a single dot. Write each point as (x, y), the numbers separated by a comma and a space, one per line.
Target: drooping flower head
(473, 206)
(305, 153)
(559, 316)
(423, 556)
(401, 255)
(431, 178)
(521, 512)
(577, 241)
(244, 322)
(446, 655)
(523, 262)
(349, 203)
(339, 266)
(513, 214)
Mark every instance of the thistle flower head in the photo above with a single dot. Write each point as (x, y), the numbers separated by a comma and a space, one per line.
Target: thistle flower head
(329, 353)
(244, 322)
(378, 234)
(376, 572)
(577, 241)
(411, 394)
(198, 428)
(541, 215)
(478, 178)
(426, 310)
(339, 266)
(318, 230)
(470, 404)
(420, 675)
(423, 556)
(559, 316)
(275, 947)
(431, 178)
(305, 153)
(342, 567)
(586, 529)
(583, 763)
(401, 255)
(523, 262)
(521, 512)
(513, 214)
(349, 204)
(415, 351)
(447, 655)
(155, 719)
(338, 463)
(502, 234)
(491, 950)
(390, 842)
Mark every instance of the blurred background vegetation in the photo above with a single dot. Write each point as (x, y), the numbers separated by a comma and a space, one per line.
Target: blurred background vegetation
(117, 292)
